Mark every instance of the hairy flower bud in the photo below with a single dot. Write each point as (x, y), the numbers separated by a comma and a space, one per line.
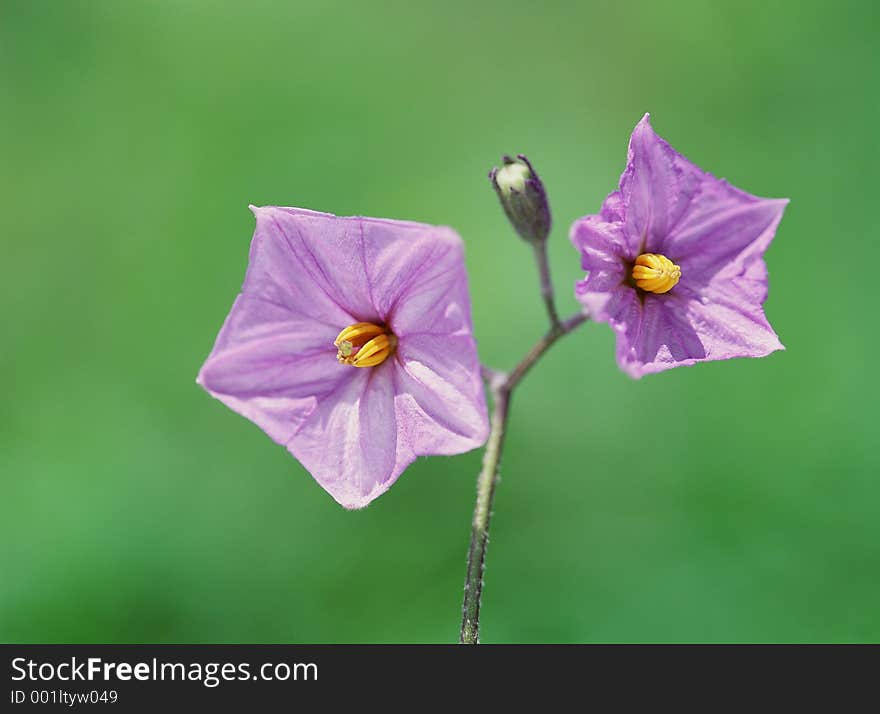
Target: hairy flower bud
(522, 197)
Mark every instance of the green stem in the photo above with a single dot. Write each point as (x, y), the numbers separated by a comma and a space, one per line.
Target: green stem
(501, 387)
(546, 283)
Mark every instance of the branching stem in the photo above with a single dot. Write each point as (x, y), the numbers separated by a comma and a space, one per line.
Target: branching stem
(501, 388)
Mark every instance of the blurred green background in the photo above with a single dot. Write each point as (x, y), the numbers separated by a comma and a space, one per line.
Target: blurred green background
(733, 501)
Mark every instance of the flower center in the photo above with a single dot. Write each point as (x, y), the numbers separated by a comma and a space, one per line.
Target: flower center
(364, 344)
(655, 273)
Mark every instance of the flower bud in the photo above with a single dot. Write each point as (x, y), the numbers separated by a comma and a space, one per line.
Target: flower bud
(522, 197)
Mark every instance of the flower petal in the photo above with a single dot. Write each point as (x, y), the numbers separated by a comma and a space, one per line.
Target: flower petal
(270, 365)
(410, 275)
(656, 187)
(312, 262)
(663, 337)
(723, 227)
(730, 318)
(603, 255)
(349, 442)
(418, 278)
(683, 328)
(440, 401)
(697, 220)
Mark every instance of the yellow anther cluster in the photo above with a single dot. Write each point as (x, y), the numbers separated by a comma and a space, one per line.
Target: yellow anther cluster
(364, 344)
(655, 273)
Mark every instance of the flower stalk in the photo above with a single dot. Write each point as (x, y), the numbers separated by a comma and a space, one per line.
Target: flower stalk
(546, 282)
(501, 386)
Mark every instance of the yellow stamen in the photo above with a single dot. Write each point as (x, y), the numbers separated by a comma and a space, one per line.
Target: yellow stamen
(655, 273)
(365, 345)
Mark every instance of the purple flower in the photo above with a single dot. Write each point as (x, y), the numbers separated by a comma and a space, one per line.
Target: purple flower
(675, 262)
(351, 344)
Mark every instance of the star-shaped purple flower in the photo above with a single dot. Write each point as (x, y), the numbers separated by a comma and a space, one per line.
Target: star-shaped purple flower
(351, 344)
(675, 262)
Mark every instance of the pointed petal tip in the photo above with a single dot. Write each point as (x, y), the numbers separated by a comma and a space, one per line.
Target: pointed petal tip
(776, 347)
(201, 378)
(633, 371)
(357, 502)
(643, 133)
(644, 127)
(779, 205)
